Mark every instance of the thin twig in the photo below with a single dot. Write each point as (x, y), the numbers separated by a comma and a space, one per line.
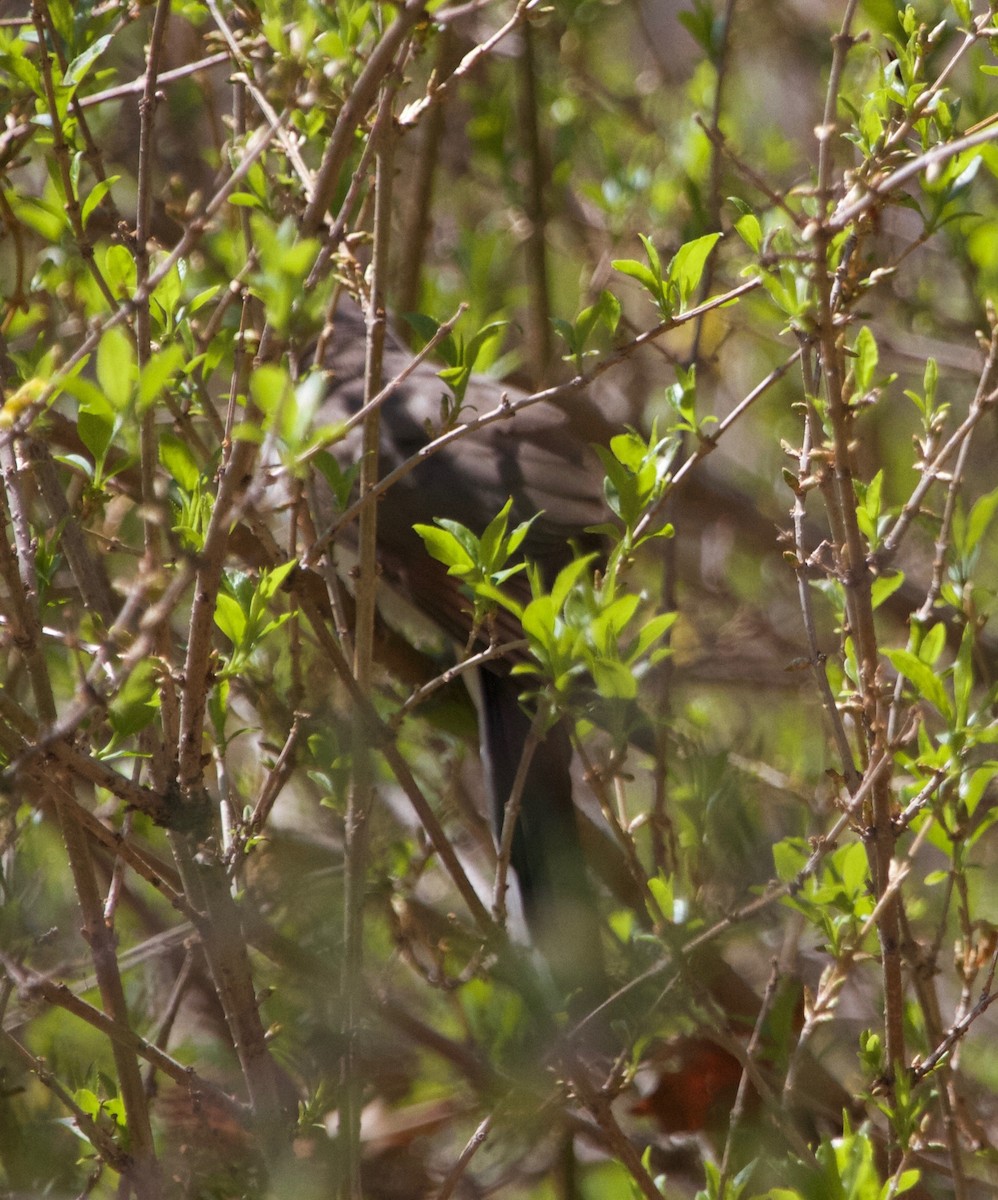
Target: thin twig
(137, 86)
(474, 1144)
(438, 89)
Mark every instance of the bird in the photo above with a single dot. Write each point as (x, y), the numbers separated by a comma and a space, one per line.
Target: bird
(541, 460)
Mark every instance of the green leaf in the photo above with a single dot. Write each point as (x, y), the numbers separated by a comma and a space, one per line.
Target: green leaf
(116, 367)
(515, 539)
(157, 372)
(568, 576)
(272, 580)
(932, 644)
(613, 680)
(270, 387)
(923, 679)
(979, 520)
(606, 309)
(494, 533)
(230, 618)
(972, 789)
(97, 194)
(137, 701)
(245, 200)
(176, 457)
(637, 270)
(789, 856)
(687, 267)
(905, 1181)
(424, 326)
(652, 631)
(119, 270)
(477, 344)
(867, 357)
(203, 297)
(630, 450)
(663, 890)
(462, 535)
(884, 586)
(963, 675)
(444, 546)
(95, 424)
(77, 70)
(539, 619)
(652, 253)
(750, 231)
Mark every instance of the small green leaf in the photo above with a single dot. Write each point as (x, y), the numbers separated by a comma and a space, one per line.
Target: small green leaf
(652, 253)
(789, 856)
(444, 546)
(230, 618)
(885, 586)
(922, 678)
(97, 194)
(95, 425)
(750, 231)
(687, 267)
(245, 200)
(494, 533)
(116, 367)
(137, 702)
(637, 270)
(663, 890)
(932, 645)
(652, 631)
(270, 387)
(613, 680)
(981, 516)
(80, 66)
(176, 457)
(867, 357)
(539, 618)
(568, 576)
(157, 372)
(119, 270)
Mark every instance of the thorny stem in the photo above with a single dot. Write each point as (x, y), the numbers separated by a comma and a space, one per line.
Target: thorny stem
(159, 748)
(771, 894)
(841, 44)
(856, 577)
(20, 571)
(511, 815)
(376, 70)
(538, 333)
(101, 1141)
(815, 656)
(382, 737)
(60, 996)
(474, 1144)
(435, 92)
(44, 29)
(360, 799)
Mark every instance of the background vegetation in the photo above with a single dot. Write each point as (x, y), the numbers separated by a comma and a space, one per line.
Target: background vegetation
(246, 935)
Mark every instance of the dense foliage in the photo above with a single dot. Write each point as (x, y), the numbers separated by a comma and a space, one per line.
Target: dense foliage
(253, 930)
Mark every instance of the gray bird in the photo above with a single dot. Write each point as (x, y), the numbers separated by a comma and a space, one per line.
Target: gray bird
(541, 459)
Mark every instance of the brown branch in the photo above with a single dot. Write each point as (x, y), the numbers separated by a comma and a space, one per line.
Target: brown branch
(365, 89)
(33, 985)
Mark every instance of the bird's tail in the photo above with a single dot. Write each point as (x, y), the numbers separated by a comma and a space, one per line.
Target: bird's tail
(558, 899)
